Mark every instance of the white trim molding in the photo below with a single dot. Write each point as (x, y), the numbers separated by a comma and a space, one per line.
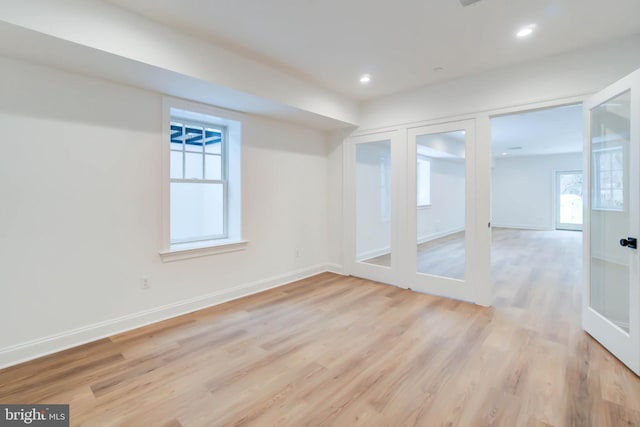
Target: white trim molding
(186, 251)
(336, 269)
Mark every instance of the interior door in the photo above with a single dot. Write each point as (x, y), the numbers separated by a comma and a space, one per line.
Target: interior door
(441, 209)
(611, 298)
(373, 188)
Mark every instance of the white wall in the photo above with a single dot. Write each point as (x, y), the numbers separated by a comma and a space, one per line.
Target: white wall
(523, 188)
(81, 220)
(446, 213)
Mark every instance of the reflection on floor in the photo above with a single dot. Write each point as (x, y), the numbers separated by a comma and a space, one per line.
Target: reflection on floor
(443, 257)
(383, 260)
(446, 256)
(440, 257)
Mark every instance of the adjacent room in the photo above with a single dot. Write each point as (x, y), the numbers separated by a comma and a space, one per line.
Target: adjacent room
(537, 209)
(319, 213)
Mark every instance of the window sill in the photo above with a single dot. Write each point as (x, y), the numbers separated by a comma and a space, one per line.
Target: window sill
(200, 249)
(424, 206)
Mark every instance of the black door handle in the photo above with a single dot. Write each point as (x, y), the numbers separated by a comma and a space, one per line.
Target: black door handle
(631, 242)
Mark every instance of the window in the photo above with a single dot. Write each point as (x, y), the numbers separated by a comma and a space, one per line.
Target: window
(423, 173)
(198, 181)
(202, 171)
(608, 180)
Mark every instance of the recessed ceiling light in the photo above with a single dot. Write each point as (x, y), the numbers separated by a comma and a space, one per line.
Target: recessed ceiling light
(365, 78)
(504, 154)
(526, 31)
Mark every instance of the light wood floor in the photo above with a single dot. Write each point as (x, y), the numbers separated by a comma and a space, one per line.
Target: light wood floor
(443, 257)
(440, 257)
(342, 351)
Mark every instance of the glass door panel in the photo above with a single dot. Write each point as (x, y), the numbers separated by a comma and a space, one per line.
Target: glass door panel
(440, 195)
(373, 203)
(610, 219)
(611, 300)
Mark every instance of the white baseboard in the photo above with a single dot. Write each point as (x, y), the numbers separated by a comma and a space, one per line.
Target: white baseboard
(438, 235)
(523, 227)
(34, 349)
(336, 268)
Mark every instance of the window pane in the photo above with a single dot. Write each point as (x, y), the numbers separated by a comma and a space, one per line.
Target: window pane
(196, 211)
(605, 180)
(193, 166)
(617, 199)
(193, 139)
(177, 136)
(213, 167)
(616, 179)
(605, 161)
(213, 141)
(616, 159)
(176, 164)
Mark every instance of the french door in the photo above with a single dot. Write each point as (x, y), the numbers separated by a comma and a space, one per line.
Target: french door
(441, 209)
(410, 209)
(373, 198)
(611, 297)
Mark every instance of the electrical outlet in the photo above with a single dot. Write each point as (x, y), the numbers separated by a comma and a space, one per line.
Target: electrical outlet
(297, 253)
(144, 283)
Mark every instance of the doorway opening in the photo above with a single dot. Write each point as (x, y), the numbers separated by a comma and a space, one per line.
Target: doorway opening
(536, 209)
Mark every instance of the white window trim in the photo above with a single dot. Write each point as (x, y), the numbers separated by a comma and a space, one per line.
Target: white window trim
(199, 249)
(180, 251)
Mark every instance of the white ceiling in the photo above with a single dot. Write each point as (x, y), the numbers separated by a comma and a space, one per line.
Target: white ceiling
(333, 42)
(550, 131)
